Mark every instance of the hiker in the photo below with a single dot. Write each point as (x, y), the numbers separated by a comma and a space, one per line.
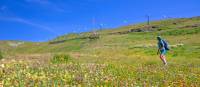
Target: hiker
(162, 49)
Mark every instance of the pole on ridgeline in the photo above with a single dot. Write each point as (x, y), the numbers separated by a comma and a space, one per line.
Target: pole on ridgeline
(94, 34)
(148, 19)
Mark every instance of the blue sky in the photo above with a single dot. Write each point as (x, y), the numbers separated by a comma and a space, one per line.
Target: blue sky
(42, 20)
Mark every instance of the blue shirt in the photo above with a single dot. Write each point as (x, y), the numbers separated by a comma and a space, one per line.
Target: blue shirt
(161, 45)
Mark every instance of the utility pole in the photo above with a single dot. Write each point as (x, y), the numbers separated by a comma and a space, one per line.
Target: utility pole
(94, 33)
(148, 19)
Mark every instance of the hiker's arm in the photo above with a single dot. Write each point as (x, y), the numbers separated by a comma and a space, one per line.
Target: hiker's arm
(158, 51)
(161, 48)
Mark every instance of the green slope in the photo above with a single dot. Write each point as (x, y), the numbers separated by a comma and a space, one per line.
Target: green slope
(126, 34)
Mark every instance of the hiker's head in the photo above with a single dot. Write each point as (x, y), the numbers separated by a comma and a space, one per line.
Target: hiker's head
(158, 38)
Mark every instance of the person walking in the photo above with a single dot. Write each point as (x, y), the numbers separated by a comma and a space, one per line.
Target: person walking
(162, 49)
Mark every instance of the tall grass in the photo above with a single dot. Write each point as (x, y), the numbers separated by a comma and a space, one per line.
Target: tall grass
(95, 74)
(61, 58)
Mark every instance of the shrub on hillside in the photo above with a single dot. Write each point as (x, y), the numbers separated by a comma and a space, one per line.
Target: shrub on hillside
(94, 35)
(61, 58)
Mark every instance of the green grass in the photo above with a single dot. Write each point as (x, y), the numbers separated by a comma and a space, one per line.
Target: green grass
(182, 32)
(145, 73)
(113, 60)
(61, 58)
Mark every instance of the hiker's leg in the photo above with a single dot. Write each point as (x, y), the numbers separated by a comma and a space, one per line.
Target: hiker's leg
(162, 57)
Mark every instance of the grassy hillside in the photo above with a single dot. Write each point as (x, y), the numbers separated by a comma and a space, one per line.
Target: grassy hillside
(125, 56)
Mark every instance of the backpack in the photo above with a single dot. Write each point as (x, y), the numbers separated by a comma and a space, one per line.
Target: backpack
(166, 45)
